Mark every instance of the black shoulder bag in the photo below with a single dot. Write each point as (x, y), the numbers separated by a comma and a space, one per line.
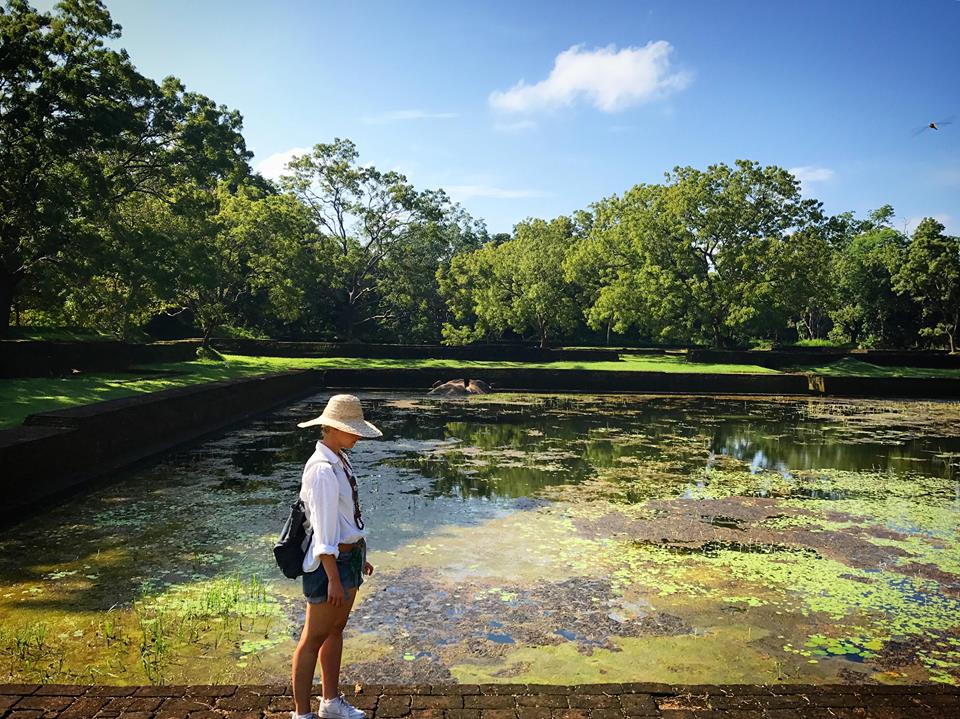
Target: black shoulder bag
(290, 550)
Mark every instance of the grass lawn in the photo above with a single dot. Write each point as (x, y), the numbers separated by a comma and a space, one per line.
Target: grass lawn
(58, 334)
(22, 396)
(635, 363)
(848, 367)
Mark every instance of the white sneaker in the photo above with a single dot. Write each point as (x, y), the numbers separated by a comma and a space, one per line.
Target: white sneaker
(340, 708)
(308, 715)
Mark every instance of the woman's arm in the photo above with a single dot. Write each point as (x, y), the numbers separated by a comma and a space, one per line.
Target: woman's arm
(335, 593)
(322, 496)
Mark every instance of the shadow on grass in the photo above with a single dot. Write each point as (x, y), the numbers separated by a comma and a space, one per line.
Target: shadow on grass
(848, 367)
(20, 397)
(23, 396)
(58, 334)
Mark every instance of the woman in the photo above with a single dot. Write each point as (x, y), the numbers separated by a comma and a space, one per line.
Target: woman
(335, 559)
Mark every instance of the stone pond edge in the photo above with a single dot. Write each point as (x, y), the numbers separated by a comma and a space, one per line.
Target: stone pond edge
(55, 454)
(489, 701)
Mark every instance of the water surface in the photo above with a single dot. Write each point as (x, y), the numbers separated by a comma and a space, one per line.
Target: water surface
(537, 538)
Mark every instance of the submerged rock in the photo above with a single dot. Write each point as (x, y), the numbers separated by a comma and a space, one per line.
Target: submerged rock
(460, 387)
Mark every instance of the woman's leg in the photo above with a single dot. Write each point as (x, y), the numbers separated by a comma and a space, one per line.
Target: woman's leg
(321, 621)
(332, 650)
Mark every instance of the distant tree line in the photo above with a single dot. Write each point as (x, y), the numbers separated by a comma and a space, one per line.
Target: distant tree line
(123, 200)
(724, 256)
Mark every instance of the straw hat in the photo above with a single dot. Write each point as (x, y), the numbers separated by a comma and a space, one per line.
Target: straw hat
(343, 411)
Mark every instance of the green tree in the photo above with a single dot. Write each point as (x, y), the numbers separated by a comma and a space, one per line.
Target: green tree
(869, 312)
(930, 273)
(125, 277)
(707, 256)
(806, 291)
(128, 274)
(65, 100)
(363, 215)
(88, 146)
(513, 285)
(411, 306)
(251, 243)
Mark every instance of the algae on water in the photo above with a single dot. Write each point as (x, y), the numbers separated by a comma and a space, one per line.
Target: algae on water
(524, 537)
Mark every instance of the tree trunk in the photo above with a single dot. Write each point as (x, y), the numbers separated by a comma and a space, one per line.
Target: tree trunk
(8, 286)
(125, 320)
(543, 327)
(349, 321)
(953, 334)
(207, 331)
(718, 339)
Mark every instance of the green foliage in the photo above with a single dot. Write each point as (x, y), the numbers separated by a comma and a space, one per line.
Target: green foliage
(233, 332)
(871, 313)
(56, 333)
(410, 301)
(102, 150)
(121, 282)
(718, 255)
(816, 343)
(379, 241)
(231, 243)
(209, 354)
(513, 285)
(930, 273)
(122, 198)
(66, 103)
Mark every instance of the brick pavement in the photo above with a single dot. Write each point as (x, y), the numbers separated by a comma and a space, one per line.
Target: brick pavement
(491, 701)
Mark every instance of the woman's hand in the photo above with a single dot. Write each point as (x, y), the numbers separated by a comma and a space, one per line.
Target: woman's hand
(367, 568)
(335, 593)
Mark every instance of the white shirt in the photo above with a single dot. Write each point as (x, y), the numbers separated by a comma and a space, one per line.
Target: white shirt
(328, 504)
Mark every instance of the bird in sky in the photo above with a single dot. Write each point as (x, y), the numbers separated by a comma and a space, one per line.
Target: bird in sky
(933, 126)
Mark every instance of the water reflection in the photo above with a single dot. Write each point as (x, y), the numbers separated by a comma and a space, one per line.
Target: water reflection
(491, 450)
(512, 451)
(449, 466)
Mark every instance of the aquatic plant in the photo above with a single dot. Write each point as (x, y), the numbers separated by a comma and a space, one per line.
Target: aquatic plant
(153, 623)
(110, 628)
(30, 642)
(677, 538)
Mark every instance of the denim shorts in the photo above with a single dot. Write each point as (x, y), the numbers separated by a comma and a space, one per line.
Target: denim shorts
(349, 565)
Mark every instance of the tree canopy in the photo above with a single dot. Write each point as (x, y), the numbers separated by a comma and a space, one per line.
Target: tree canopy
(513, 285)
(124, 200)
(710, 255)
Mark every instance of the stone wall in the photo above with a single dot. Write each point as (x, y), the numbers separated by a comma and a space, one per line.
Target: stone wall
(776, 359)
(54, 454)
(493, 353)
(573, 380)
(26, 358)
(915, 387)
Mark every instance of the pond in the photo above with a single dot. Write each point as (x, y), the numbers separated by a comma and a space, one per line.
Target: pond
(523, 538)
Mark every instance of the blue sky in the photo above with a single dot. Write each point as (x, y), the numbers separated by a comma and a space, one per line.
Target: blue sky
(538, 109)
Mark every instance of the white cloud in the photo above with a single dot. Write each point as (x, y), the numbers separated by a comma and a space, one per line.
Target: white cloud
(910, 224)
(515, 126)
(275, 165)
(404, 115)
(807, 174)
(463, 192)
(608, 78)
